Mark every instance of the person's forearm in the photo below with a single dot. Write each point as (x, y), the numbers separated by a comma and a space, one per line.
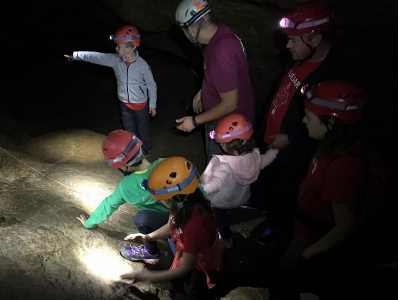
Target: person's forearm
(161, 233)
(336, 235)
(227, 105)
(168, 275)
(104, 59)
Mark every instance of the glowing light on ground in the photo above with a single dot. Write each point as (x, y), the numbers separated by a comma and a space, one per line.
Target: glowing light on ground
(89, 193)
(105, 263)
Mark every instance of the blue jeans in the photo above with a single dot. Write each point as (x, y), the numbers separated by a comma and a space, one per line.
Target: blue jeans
(146, 221)
(138, 122)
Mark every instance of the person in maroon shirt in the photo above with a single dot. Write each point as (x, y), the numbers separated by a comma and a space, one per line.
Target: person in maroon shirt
(326, 217)
(199, 246)
(226, 84)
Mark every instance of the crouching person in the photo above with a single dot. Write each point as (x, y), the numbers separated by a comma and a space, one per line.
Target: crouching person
(123, 150)
(199, 247)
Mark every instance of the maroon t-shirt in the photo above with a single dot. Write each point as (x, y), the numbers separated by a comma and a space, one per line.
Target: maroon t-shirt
(328, 181)
(226, 69)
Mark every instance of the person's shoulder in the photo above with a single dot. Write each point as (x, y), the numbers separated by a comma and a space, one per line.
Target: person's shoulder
(349, 162)
(141, 60)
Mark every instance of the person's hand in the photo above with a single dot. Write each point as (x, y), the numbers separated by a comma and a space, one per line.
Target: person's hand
(82, 218)
(143, 275)
(280, 141)
(197, 104)
(306, 254)
(137, 236)
(152, 111)
(185, 124)
(69, 57)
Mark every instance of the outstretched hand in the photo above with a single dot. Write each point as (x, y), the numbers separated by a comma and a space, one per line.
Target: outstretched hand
(69, 57)
(82, 218)
(136, 237)
(143, 275)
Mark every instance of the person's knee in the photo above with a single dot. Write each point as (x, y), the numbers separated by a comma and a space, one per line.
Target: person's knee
(141, 219)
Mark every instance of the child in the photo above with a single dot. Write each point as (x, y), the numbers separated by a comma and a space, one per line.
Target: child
(326, 217)
(137, 90)
(122, 150)
(227, 178)
(199, 247)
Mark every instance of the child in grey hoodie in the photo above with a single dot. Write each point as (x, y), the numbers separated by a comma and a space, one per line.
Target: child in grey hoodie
(137, 90)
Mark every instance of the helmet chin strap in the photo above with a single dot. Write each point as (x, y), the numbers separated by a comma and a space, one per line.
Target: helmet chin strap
(195, 39)
(311, 49)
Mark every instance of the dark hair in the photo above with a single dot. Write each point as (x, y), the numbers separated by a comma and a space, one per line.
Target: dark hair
(183, 205)
(240, 147)
(339, 138)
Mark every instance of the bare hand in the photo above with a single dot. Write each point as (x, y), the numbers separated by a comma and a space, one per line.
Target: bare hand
(136, 236)
(152, 111)
(185, 124)
(143, 275)
(280, 141)
(82, 219)
(197, 104)
(69, 57)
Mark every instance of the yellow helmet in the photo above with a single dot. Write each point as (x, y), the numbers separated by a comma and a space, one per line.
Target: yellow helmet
(173, 176)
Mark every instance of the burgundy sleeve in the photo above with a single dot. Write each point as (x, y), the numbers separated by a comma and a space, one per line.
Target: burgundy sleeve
(343, 180)
(224, 67)
(194, 237)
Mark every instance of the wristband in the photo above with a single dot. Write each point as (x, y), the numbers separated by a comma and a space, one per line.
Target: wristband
(194, 121)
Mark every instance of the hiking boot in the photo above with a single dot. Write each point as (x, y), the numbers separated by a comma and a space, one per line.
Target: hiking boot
(139, 253)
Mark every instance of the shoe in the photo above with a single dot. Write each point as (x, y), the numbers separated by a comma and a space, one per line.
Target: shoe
(139, 253)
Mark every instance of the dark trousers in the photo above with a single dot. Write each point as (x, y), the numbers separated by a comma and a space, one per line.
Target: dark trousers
(223, 219)
(146, 221)
(138, 122)
(194, 287)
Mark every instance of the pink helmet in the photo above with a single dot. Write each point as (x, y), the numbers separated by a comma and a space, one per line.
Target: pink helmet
(232, 127)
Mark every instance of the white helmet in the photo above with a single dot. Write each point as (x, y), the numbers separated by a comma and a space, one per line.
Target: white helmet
(191, 11)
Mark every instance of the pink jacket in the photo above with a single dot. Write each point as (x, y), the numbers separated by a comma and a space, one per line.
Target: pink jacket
(227, 178)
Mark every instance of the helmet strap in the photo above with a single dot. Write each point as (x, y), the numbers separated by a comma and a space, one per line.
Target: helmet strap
(310, 48)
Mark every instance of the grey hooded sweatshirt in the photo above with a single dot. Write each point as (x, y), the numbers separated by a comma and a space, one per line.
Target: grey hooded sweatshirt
(135, 81)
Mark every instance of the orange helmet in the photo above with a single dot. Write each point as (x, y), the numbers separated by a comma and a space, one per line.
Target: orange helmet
(126, 34)
(173, 176)
(122, 148)
(232, 127)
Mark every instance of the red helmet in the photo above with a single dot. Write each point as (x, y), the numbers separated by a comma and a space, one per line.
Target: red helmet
(232, 127)
(122, 148)
(125, 34)
(309, 17)
(340, 99)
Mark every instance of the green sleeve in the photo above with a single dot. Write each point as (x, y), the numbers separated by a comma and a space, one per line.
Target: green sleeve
(105, 209)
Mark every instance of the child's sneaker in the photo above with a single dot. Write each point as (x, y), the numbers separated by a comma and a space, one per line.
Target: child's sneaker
(139, 253)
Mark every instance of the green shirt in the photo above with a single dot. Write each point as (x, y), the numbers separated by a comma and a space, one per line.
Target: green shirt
(129, 190)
